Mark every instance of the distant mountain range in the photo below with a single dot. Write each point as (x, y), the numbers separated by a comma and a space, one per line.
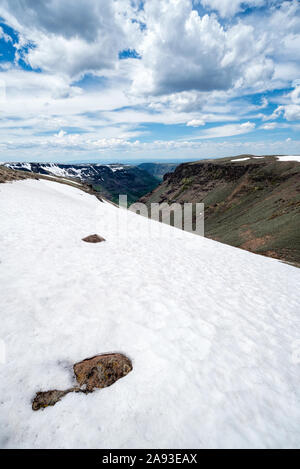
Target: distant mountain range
(250, 202)
(110, 180)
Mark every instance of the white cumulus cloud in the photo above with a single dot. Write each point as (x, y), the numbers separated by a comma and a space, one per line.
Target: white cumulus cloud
(195, 123)
(231, 7)
(227, 130)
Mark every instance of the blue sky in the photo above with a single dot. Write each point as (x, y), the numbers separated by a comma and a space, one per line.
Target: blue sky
(122, 80)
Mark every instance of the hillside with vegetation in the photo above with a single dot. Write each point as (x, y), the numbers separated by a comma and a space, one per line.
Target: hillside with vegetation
(250, 202)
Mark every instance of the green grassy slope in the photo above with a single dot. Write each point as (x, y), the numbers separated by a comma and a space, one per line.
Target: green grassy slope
(252, 204)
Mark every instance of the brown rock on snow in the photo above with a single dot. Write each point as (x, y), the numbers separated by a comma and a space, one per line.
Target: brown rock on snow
(93, 239)
(102, 371)
(99, 372)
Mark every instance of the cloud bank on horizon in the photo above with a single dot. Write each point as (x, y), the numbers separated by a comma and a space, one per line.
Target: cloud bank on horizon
(131, 79)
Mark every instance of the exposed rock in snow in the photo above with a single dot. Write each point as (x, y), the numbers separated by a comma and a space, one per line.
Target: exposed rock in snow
(102, 371)
(96, 372)
(93, 239)
(50, 398)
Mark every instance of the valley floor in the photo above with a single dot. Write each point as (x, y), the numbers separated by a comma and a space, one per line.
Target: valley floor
(213, 331)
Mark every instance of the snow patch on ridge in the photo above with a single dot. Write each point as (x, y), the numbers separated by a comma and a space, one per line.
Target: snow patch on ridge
(240, 159)
(289, 158)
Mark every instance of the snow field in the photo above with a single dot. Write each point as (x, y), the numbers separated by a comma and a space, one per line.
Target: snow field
(211, 330)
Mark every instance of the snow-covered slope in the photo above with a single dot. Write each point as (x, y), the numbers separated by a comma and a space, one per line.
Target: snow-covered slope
(212, 330)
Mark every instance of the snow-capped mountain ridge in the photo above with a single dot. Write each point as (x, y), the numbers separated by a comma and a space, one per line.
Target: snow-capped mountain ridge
(109, 179)
(81, 171)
